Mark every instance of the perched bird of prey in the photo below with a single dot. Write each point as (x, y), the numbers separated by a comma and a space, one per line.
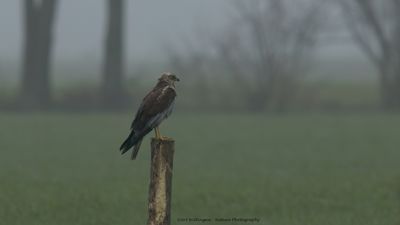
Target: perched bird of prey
(155, 107)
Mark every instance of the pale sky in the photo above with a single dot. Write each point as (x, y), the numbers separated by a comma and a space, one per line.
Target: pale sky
(150, 24)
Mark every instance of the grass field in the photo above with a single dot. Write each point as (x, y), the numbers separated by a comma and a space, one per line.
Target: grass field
(59, 169)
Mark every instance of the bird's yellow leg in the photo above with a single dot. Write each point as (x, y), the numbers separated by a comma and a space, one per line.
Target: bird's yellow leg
(159, 136)
(157, 131)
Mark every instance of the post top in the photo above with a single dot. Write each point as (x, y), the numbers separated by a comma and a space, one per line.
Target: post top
(163, 140)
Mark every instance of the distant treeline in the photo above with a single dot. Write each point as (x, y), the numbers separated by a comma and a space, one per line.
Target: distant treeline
(257, 63)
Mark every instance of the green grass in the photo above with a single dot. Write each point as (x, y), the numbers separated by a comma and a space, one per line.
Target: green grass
(59, 169)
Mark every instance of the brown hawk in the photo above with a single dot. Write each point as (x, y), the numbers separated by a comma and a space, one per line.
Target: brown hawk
(155, 107)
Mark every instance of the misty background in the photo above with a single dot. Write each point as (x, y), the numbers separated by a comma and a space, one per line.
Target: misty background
(80, 28)
(160, 36)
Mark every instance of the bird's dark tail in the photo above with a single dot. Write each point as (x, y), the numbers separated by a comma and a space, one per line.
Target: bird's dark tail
(136, 149)
(130, 141)
(133, 140)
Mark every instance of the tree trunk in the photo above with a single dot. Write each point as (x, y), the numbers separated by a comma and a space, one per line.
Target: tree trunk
(35, 87)
(45, 41)
(390, 87)
(112, 88)
(391, 97)
(29, 71)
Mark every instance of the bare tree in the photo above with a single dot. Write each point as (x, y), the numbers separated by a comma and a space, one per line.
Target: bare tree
(38, 20)
(267, 47)
(375, 27)
(113, 71)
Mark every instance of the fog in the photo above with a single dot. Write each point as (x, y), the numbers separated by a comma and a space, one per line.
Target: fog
(151, 30)
(150, 25)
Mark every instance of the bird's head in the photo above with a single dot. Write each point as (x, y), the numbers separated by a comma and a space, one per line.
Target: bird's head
(168, 77)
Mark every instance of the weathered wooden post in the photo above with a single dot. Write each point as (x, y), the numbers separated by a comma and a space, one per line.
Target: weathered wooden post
(162, 156)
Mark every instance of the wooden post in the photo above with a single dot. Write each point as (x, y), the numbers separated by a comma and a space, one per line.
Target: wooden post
(162, 156)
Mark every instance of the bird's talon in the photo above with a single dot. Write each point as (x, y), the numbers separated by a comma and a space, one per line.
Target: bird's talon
(165, 138)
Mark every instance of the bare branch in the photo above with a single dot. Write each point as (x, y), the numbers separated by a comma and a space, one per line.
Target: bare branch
(358, 36)
(375, 25)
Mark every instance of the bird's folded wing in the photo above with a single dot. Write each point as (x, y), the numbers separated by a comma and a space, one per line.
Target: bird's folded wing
(157, 102)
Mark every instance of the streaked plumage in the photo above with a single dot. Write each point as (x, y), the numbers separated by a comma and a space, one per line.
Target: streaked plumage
(155, 107)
